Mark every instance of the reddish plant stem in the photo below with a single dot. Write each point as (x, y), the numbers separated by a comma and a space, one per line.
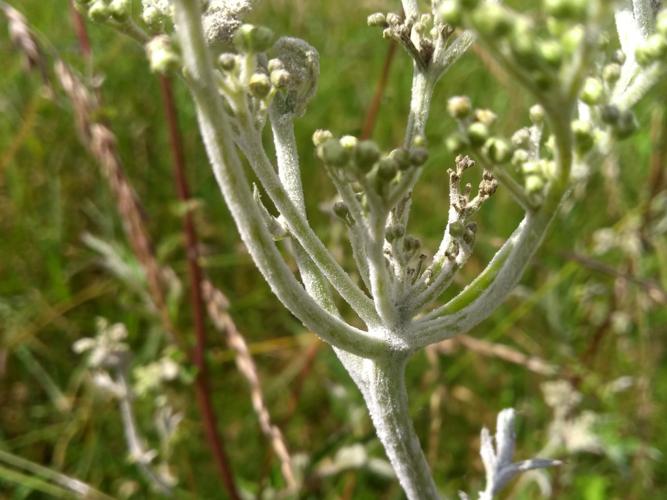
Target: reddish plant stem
(202, 385)
(374, 107)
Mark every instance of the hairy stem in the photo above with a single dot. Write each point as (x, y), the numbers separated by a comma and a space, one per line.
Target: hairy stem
(387, 401)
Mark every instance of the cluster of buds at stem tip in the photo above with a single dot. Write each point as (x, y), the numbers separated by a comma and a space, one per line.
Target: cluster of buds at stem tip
(474, 132)
(418, 35)
(162, 54)
(362, 163)
(106, 10)
(545, 54)
(654, 49)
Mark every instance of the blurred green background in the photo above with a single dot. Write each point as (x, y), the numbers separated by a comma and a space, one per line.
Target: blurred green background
(591, 309)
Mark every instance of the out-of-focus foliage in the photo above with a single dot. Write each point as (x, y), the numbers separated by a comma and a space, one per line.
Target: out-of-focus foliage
(593, 306)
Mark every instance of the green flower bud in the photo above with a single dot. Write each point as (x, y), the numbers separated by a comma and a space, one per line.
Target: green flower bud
(251, 38)
(653, 49)
(402, 158)
(387, 169)
(419, 141)
(394, 19)
(478, 133)
(521, 137)
(492, 21)
(566, 9)
(455, 143)
(531, 167)
(227, 61)
(536, 114)
(520, 157)
(456, 229)
(418, 156)
(611, 73)
(366, 155)
(411, 244)
(280, 78)
(584, 138)
(485, 116)
(534, 184)
(377, 19)
(274, 65)
(459, 107)
(349, 143)
(394, 232)
(259, 85)
(497, 150)
(120, 10)
(522, 44)
(661, 23)
(321, 136)
(551, 52)
(341, 210)
(626, 126)
(610, 114)
(450, 12)
(592, 91)
(162, 54)
(572, 39)
(332, 153)
(99, 11)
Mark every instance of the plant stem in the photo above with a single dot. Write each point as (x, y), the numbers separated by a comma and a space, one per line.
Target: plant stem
(387, 401)
(202, 385)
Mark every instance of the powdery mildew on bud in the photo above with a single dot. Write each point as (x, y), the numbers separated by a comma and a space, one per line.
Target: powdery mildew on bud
(223, 17)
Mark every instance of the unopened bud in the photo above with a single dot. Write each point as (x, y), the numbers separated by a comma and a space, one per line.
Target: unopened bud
(653, 49)
(492, 21)
(366, 155)
(259, 85)
(162, 54)
(485, 116)
(349, 143)
(566, 9)
(280, 78)
(592, 91)
(497, 150)
(459, 107)
(227, 61)
(321, 136)
(341, 210)
(99, 11)
(611, 73)
(387, 169)
(402, 158)
(534, 184)
(418, 156)
(610, 114)
(394, 232)
(450, 12)
(251, 38)
(377, 19)
(536, 114)
(120, 10)
(332, 153)
(478, 133)
(551, 52)
(583, 136)
(456, 229)
(626, 125)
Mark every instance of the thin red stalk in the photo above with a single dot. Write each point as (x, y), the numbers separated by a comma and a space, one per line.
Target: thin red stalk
(374, 107)
(202, 385)
(81, 32)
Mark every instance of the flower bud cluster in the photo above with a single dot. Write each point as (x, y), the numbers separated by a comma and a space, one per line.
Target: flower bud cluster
(101, 11)
(542, 51)
(162, 54)
(362, 163)
(475, 132)
(418, 35)
(654, 48)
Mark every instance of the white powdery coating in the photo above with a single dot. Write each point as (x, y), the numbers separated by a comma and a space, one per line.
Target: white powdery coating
(223, 17)
(302, 61)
